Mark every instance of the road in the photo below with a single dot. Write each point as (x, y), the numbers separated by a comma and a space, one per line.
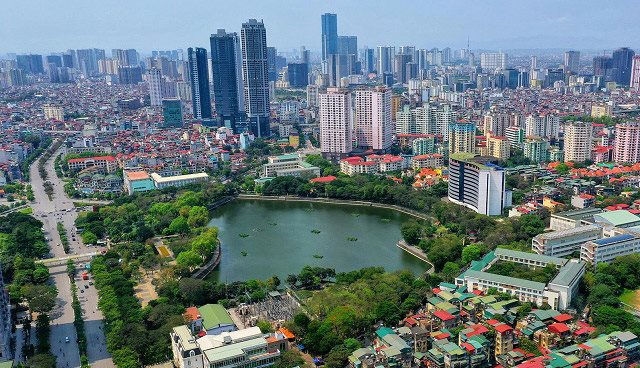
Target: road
(50, 212)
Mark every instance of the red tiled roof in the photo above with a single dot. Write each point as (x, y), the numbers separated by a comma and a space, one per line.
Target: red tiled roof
(98, 158)
(564, 317)
(502, 328)
(443, 315)
(558, 328)
(323, 179)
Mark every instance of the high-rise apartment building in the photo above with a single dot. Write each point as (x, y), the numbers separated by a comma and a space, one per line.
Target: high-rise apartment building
(329, 35)
(493, 60)
(339, 66)
(128, 57)
(415, 121)
(87, 61)
(400, 67)
(571, 62)
(129, 74)
(462, 137)
(53, 112)
(545, 126)
(372, 118)
(496, 123)
(536, 149)
(226, 71)
(154, 81)
(621, 63)
(635, 73)
(627, 144)
(255, 76)
(336, 128)
(577, 141)
(30, 64)
(199, 80)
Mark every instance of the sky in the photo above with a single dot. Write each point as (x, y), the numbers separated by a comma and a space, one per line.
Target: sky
(57, 25)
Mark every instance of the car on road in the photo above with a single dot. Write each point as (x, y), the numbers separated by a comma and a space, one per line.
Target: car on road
(66, 339)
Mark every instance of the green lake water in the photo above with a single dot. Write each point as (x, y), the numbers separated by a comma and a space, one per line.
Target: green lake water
(264, 238)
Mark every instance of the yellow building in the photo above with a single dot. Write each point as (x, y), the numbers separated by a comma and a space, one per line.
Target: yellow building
(53, 112)
(498, 147)
(294, 141)
(396, 105)
(598, 111)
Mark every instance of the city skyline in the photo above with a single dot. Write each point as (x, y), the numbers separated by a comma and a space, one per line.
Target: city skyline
(558, 25)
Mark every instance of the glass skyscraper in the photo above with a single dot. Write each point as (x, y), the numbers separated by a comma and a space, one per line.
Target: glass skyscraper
(225, 51)
(255, 76)
(199, 79)
(329, 35)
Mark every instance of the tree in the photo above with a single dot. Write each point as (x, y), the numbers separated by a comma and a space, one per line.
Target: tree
(265, 326)
(193, 291)
(450, 270)
(289, 358)
(471, 252)
(89, 238)
(273, 282)
(205, 243)
(188, 259)
(179, 225)
(41, 298)
(42, 360)
(198, 216)
(40, 274)
(411, 232)
(292, 280)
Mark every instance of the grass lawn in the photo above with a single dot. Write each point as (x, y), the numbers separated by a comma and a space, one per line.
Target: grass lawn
(631, 297)
(26, 211)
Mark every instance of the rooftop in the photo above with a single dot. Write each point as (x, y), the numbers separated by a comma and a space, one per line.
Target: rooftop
(617, 218)
(161, 179)
(529, 256)
(214, 315)
(614, 239)
(136, 175)
(578, 214)
(568, 232)
(538, 286)
(568, 273)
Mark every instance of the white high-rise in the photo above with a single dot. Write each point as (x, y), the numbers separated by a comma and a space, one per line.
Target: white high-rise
(373, 125)
(577, 141)
(545, 126)
(493, 60)
(336, 127)
(154, 80)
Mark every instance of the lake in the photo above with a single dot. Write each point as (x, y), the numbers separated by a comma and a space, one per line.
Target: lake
(264, 238)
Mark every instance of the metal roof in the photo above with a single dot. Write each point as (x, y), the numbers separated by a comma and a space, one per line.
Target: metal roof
(506, 280)
(617, 218)
(529, 256)
(568, 273)
(614, 239)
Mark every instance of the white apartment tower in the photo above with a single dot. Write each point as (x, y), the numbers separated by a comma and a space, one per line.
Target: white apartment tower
(577, 141)
(493, 60)
(154, 80)
(545, 126)
(336, 127)
(372, 119)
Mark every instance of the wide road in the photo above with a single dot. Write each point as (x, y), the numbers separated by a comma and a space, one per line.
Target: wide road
(50, 212)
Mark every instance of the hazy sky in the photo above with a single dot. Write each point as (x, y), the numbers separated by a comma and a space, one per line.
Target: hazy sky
(56, 25)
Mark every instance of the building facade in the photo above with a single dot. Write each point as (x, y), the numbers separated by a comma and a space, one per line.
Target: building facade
(627, 144)
(336, 127)
(199, 80)
(373, 125)
(577, 141)
(255, 76)
(226, 72)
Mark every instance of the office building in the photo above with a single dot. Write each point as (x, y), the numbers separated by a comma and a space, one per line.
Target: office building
(154, 81)
(536, 149)
(372, 118)
(272, 55)
(339, 66)
(348, 45)
(172, 113)
(621, 64)
(289, 165)
(627, 143)
(577, 141)
(336, 128)
(607, 249)
(226, 70)
(329, 35)
(571, 62)
(199, 81)
(564, 243)
(476, 183)
(298, 75)
(368, 60)
(255, 77)
(400, 68)
(635, 73)
(493, 60)
(67, 60)
(30, 64)
(462, 137)
(385, 59)
(129, 74)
